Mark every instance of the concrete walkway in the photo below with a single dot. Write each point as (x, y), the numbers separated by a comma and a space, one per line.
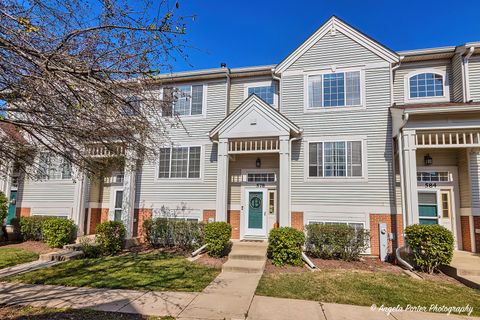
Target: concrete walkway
(181, 306)
(26, 267)
(465, 267)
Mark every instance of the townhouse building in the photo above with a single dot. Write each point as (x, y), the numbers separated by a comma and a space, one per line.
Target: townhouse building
(343, 130)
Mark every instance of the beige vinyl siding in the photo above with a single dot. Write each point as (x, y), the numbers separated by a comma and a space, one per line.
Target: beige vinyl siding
(440, 157)
(464, 179)
(237, 89)
(457, 78)
(401, 73)
(372, 122)
(239, 162)
(194, 194)
(335, 50)
(475, 178)
(474, 77)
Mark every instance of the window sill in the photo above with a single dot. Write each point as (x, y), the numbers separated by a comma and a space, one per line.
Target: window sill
(426, 100)
(178, 180)
(333, 109)
(60, 181)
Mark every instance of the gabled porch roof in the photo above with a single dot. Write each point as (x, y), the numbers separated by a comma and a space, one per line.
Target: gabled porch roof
(254, 118)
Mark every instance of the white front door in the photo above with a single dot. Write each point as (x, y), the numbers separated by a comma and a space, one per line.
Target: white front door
(256, 212)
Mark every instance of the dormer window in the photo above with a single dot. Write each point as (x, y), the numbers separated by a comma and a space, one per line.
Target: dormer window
(429, 86)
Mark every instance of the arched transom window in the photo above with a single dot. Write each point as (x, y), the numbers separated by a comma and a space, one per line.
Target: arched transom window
(425, 85)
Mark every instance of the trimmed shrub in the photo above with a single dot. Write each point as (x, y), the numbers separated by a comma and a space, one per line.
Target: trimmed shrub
(285, 246)
(58, 232)
(31, 227)
(431, 246)
(173, 233)
(3, 207)
(217, 236)
(90, 249)
(110, 236)
(336, 241)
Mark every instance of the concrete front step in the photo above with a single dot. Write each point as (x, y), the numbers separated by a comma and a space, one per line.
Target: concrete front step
(246, 255)
(245, 266)
(64, 255)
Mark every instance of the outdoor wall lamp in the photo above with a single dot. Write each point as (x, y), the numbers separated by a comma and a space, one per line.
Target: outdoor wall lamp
(428, 160)
(258, 163)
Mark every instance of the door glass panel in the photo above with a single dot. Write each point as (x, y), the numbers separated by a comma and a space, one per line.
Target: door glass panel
(118, 205)
(427, 208)
(445, 205)
(255, 210)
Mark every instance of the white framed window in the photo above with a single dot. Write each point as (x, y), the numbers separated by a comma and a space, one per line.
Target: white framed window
(336, 159)
(265, 90)
(180, 162)
(261, 177)
(426, 85)
(355, 225)
(334, 89)
(433, 176)
(52, 167)
(187, 100)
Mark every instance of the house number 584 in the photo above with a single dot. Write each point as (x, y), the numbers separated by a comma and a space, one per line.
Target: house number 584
(430, 185)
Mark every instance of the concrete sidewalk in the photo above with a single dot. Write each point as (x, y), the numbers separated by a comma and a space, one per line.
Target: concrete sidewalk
(181, 306)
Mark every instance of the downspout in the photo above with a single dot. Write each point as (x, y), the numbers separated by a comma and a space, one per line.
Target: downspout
(277, 78)
(392, 72)
(290, 174)
(227, 73)
(466, 88)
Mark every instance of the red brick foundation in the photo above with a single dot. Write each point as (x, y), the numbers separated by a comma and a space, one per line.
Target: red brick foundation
(476, 226)
(141, 215)
(22, 212)
(466, 240)
(208, 214)
(97, 215)
(233, 217)
(394, 224)
(297, 220)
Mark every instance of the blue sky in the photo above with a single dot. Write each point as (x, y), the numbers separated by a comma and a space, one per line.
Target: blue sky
(246, 33)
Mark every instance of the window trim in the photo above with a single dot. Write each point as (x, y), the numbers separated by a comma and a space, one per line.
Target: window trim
(332, 70)
(204, 100)
(182, 180)
(264, 83)
(360, 138)
(446, 86)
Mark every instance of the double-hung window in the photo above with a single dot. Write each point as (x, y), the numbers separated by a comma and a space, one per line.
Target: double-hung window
(339, 89)
(179, 162)
(184, 100)
(52, 167)
(335, 159)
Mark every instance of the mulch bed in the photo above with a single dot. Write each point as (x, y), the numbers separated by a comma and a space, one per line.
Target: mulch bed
(33, 246)
(206, 260)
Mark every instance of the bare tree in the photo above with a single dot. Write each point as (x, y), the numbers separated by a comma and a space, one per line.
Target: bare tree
(76, 74)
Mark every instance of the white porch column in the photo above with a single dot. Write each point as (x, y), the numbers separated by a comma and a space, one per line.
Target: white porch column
(410, 176)
(222, 180)
(81, 186)
(128, 202)
(284, 182)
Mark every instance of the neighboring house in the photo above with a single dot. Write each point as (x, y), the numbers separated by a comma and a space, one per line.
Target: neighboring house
(343, 130)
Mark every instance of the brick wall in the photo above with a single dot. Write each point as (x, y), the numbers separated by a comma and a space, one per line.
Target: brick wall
(233, 217)
(207, 214)
(142, 215)
(22, 212)
(297, 220)
(476, 226)
(97, 215)
(465, 226)
(394, 224)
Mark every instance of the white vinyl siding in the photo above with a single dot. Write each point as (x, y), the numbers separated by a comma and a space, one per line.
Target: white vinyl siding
(335, 159)
(474, 77)
(340, 89)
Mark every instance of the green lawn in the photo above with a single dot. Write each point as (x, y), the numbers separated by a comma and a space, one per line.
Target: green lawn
(12, 256)
(367, 288)
(35, 313)
(151, 271)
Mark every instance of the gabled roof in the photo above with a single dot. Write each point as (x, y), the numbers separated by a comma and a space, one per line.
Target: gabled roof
(270, 120)
(334, 23)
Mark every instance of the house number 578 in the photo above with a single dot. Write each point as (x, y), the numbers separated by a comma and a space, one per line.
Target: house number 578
(430, 185)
